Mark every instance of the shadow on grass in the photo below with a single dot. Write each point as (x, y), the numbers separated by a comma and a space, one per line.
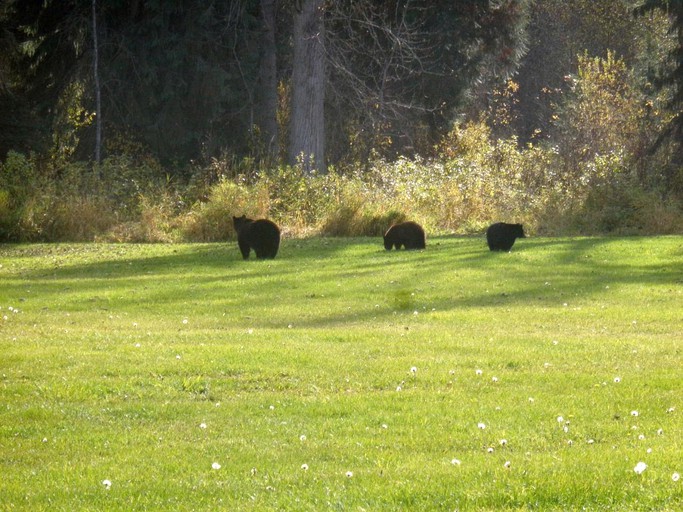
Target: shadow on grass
(335, 281)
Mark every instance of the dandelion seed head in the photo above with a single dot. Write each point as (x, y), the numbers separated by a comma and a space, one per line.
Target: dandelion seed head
(560, 419)
(184, 321)
(489, 449)
(494, 379)
(503, 442)
(660, 432)
(107, 483)
(302, 438)
(304, 467)
(456, 462)
(202, 425)
(349, 474)
(617, 380)
(215, 465)
(413, 370)
(675, 477)
(640, 468)
(481, 426)
(635, 413)
(507, 464)
(478, 372)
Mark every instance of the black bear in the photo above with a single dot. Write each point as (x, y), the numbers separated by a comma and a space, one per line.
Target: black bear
(261, 235)
(501, 236)
(408, 234)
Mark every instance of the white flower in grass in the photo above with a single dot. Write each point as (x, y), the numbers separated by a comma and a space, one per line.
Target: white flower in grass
(494, 379)
(349, 474)
(507, 464)
(660, 432)
(617, 380)
(635, 413)
(478, 372)
(640, 467)
(489, 449)
(398, 388)
(202, 425)
(106, 483)
(413, 370)
(560, 419)
(675, 477)
(302, 438)
(304, 467)
(481, 426)
(184, 321)
(456, 462)
(591, 441)
(215, 465)
(503, 442)
(641, 437)
(670, 410)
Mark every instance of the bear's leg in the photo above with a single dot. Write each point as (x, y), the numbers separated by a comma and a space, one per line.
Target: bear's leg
(244, 249)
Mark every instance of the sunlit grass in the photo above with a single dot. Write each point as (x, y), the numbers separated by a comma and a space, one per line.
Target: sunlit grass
(342, 376)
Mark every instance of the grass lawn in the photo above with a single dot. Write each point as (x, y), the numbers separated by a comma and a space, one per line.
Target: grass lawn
(340, 376)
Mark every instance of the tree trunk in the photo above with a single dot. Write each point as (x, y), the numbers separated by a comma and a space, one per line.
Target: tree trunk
(267, 118)
(307, 129)
(98, 98)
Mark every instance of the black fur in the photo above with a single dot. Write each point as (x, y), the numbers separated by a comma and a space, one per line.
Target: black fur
(408, 234)
(501, 236)
(261, 235)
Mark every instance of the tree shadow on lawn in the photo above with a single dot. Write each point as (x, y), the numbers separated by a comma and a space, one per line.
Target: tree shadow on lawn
(301, 277)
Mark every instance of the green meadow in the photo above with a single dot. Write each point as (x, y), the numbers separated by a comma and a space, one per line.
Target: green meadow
(340, 376)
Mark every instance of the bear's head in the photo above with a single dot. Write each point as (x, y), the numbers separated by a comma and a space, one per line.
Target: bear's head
(518, 231)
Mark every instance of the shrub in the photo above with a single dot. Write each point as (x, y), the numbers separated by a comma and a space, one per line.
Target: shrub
(211, 220)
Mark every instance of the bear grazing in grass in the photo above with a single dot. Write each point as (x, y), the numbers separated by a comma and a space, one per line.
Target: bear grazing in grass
(261, 235)
(408, 234)
(501, 236)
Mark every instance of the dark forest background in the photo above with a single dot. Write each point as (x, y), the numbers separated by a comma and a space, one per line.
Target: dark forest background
(156, 120)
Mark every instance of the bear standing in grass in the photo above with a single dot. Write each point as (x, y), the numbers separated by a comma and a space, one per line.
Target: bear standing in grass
(408, 234)
(501, 236)
(261, 235)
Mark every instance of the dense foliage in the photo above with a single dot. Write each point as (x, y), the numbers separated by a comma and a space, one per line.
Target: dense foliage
(565, 117)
